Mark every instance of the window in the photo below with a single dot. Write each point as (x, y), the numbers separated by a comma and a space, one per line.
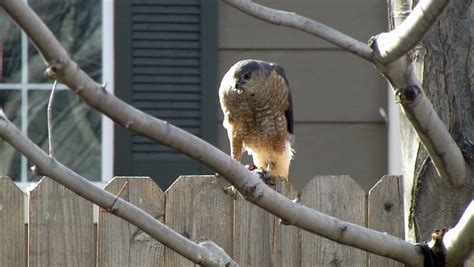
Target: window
(24, 92)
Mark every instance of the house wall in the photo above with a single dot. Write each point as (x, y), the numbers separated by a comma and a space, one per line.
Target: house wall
(337, 96)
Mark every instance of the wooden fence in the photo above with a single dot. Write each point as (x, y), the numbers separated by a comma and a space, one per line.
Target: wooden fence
(61, 229)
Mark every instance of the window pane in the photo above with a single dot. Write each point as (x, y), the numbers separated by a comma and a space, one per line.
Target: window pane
(10, 103)
(76, 131)
(77, 24)
(10, 39)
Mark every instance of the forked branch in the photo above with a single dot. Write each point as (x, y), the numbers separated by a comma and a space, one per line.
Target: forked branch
(253, 188)
(435, 137)
(411, 31)
(388, 53)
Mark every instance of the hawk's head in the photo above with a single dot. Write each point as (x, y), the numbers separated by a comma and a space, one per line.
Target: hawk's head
(249, 76)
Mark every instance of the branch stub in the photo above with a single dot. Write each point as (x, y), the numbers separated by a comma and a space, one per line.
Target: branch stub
(53, 70)
(407, 95)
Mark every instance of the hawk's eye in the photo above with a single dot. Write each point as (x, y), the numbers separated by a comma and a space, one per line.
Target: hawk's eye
(247, 75)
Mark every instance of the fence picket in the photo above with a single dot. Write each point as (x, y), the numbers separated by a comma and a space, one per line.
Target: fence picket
(61, 229)
(287, 238)
(260, 239)
(386, 213)
(252, 232)
(12, 224)
(121, 243)
(343, 198)
(197, 208)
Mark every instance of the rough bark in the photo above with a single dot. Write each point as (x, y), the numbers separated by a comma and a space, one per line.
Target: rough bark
(444, 62)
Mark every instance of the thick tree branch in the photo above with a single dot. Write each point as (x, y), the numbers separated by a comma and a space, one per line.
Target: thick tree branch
(206, 253)
(410, 32)
(435, 137)
(459, 241)
(293, 20)
(253, 188)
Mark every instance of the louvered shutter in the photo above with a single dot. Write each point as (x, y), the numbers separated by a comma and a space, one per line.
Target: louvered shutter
(165, 65)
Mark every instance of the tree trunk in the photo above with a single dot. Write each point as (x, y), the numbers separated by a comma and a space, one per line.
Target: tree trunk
(444, 62)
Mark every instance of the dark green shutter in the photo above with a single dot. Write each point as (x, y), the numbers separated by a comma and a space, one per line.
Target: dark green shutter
(165, 65)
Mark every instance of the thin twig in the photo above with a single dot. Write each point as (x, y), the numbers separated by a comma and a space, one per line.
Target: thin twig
(50, 120)
(111, 208)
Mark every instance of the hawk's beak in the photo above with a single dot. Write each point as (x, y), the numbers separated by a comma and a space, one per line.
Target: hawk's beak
(237, 85)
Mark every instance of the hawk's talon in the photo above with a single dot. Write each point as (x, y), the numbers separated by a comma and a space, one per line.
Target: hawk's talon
(231, 191)
(251, 167)
(265, 176)
(269, 180)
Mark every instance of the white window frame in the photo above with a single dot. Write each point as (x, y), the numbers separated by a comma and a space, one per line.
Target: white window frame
(107, 142)
(108, 66)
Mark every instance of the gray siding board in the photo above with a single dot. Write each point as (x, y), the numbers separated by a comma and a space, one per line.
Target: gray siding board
(358, 150)
(327, 86)
(360, 19)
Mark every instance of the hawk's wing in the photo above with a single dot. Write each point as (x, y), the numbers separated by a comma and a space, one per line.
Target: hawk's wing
(289, 111)
(289, 115)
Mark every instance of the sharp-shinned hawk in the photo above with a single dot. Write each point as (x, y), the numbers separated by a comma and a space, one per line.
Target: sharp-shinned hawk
(258, 114)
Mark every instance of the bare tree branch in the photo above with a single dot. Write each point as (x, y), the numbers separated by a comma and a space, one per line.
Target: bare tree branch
(459, 241)
(48, 166)
(435, 137)
(410, 32)
(253, 188)
(293, 20)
